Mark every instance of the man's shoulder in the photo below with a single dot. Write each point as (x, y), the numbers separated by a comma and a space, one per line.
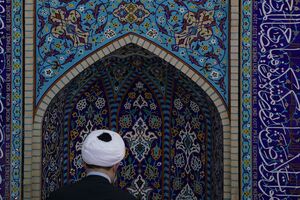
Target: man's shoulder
(89, 190)
(66, 192)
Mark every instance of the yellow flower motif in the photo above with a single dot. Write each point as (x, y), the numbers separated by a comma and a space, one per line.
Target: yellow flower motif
(122, 184)
(148, 95)
(146, 25)
(16, 66)
(247, 162)
(246, 131)
(16, 35)
(205, 48)
(88, 17)
(246, 39)
(74, 134)
(175, 18)
(157, 185)
(131, 95)
(58, 45)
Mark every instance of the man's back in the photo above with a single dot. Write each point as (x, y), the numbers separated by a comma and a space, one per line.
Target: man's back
(91, 188)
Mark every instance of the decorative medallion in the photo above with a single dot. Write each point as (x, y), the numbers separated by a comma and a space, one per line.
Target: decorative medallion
(66, 24)
(140, 139)
(188, 144)
(131, 13)
(198, 26)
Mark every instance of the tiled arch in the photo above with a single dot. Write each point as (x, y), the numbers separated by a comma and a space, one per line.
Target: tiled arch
(35, 165)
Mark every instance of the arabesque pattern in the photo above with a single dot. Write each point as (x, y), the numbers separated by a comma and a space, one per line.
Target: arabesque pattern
(194, 31)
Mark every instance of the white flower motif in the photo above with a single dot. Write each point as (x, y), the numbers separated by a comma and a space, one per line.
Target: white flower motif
(152, 106)
(196, 163)
(81, 8)
(152, 33)
(179, 160)
(178, 104)
(161, 19)
(81, 104)
(100, 103)
(214, 74)
(109, 33)
(194, 107)
(182, 9)
(213, 41)
(139, 85)
(102, 19)
(127, 106)
(48, 72)
(78, 161)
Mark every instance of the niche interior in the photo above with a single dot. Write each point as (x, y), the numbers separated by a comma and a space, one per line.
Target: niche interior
(172, 130)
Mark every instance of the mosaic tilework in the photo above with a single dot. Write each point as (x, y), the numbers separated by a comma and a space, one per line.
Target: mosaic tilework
(276, 106)
(17, 101)
(5, 73)
(53, 144)
(94, 98)
(196, 32)
(246, 165)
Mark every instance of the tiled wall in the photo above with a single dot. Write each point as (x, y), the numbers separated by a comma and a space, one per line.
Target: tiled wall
(240, 50)
(33, 117)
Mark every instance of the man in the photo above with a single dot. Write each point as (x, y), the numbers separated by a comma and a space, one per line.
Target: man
(102, 152)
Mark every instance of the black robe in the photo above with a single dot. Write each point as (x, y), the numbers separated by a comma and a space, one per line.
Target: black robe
(90, 188)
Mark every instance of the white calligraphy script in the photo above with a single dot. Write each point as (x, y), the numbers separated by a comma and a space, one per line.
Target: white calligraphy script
(278, 101)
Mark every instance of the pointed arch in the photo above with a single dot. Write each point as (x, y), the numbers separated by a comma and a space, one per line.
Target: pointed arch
(98, 55)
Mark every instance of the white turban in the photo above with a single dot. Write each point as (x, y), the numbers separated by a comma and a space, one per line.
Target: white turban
(103, 148)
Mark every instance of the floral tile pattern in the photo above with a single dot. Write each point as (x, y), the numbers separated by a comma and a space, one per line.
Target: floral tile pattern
(195, 31)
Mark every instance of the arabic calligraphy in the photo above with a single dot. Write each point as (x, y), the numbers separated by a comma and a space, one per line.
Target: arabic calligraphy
(2, 97)
(276, 103)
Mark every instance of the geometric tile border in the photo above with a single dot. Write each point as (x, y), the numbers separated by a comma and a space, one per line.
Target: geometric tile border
(245, 114)
(35, 165)
(16, 131)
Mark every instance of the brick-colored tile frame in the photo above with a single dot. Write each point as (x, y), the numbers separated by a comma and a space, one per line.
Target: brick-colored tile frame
(28, 96)
(33, 126)
(234, 101)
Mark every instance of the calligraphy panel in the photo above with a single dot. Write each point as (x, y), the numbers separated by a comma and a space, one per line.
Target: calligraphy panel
(275, 93)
